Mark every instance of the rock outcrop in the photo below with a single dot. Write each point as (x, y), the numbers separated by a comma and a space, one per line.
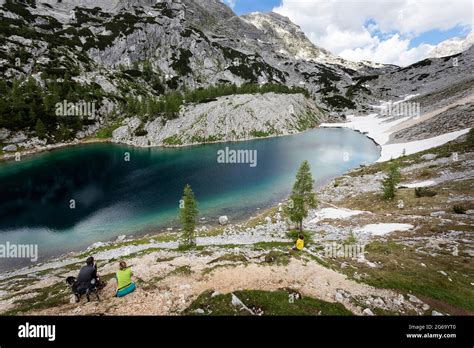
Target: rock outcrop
(235, 117)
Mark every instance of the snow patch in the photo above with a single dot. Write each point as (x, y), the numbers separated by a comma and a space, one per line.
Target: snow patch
(381, 229)
(419, 184)
(334, 213)
(372, 125)
(396, 150)
(380, 129)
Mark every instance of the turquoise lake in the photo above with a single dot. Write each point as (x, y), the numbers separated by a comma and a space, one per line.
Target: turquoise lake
(113, 196)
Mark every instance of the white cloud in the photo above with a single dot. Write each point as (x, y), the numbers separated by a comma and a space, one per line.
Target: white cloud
(349, 27)
(337, 40)
(393, 50)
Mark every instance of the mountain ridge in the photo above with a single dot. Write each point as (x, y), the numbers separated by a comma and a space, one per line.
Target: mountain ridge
(139, 59)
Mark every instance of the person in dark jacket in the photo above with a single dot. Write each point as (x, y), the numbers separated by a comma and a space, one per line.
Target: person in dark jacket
(87, 278)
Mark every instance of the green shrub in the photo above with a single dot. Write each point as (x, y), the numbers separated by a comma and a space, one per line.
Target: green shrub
(259, 134)
(424, 192)
(106, 132)
(140, 131)
(173, 140)
(459, 209)
(339, 102)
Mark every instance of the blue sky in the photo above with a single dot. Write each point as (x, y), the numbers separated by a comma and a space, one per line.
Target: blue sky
(366, 29)
(436, 36)
(247, 6)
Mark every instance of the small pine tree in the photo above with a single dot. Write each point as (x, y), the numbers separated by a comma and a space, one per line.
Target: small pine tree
(40, 129)
(390, 182)
(188, 216)
(62, 133)
(470, 138)
(302, 196)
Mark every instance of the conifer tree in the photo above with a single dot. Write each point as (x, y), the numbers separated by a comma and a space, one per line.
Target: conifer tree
(40, 129)
(302, 196)
(390, 182)
(188, 216)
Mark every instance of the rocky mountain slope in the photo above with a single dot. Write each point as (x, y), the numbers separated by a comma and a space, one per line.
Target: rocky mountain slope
(452, 46)
(426, 76)
(140, 59)
(113, 52)
(443, 88)
(290, 40)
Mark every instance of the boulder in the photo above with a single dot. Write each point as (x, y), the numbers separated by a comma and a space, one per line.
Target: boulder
(10, 148)
(121, 134)
(4, 133)
(223, 220)
(80, 135)
(368, 312)
(429, 156)
(379, 302)
(414, 299)
(18, 138)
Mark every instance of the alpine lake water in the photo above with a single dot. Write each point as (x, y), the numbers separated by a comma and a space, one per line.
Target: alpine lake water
(70, 198)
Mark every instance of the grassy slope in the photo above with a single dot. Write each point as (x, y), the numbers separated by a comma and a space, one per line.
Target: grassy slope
(402, 263)
(264, 303)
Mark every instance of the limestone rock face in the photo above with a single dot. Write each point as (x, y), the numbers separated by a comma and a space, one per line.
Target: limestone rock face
(189, 43)
(17, 137)
(235, 117)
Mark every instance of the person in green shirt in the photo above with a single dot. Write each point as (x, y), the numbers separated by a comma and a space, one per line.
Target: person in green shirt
(124, 280)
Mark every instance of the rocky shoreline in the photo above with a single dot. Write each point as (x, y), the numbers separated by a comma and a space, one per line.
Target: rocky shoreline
(40, 149)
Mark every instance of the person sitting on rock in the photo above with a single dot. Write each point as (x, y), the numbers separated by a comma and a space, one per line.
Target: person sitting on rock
(125, 285)
(299, 245)
(87, 280)
(87, 277)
